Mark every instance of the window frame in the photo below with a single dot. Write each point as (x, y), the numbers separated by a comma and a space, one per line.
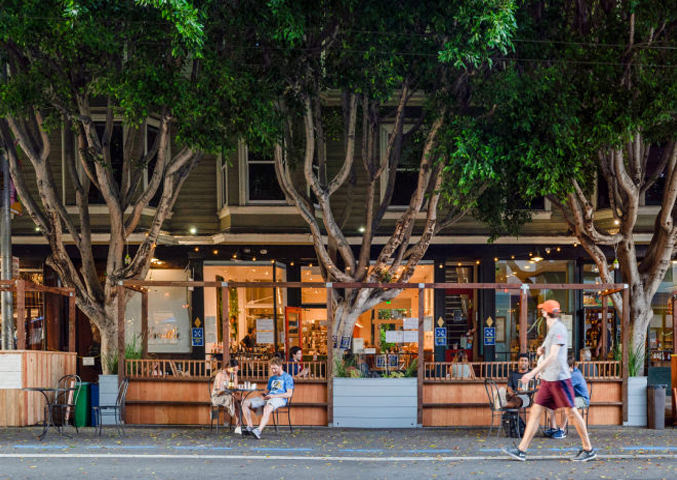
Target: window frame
(244, 162)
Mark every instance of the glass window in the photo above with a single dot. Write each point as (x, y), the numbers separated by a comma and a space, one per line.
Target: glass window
(247, 305)
(261, 177)
(654, 195)
(116, 155)
(661, 335)
(310, 296)
(508, 301)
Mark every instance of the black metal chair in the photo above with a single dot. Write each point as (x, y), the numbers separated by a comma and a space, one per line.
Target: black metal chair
(498, 409)
(117, 410)
(62, 409)
(215, 410)
(286, 409)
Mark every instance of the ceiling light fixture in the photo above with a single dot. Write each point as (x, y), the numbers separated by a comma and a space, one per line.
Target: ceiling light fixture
(537, 257)
(193, 230)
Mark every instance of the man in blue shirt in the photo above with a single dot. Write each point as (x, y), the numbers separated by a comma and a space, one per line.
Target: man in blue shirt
(278, 392)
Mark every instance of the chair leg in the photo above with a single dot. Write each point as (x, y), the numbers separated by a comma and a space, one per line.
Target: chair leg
(291, 429)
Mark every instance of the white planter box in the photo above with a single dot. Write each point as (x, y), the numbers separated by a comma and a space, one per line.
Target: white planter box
(375, 402)
(108, 394)
(636, 402)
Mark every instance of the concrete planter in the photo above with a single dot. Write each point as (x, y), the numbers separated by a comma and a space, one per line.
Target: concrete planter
(108, 393)
(636, 402)
(375, 402)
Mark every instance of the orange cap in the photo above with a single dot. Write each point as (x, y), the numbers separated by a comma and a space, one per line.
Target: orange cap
(550, 306)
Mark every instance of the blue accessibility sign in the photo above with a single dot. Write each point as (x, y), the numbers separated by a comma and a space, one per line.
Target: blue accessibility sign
(198, 337)
(490, 335)
(440, 336)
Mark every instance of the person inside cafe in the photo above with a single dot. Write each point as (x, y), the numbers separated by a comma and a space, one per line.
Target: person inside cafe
(295, 366)
(461, 368)
(581, 400)
(512, 398)
(249, 340)
(277, 394)
(222, 395)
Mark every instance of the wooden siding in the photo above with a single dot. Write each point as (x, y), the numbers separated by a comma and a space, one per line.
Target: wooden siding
(186, 402)
(465, 403)
(196, 205)
(35, 369)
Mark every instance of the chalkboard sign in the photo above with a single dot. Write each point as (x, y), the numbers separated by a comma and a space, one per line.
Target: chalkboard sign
(660, 376)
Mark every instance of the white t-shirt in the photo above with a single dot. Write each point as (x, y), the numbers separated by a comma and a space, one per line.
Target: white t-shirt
(558, 369)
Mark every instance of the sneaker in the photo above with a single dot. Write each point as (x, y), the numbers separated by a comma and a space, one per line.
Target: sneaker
(549, 432)
(559, 434)
(238, 430)
(247, 430)
(585, 455)
(257, 433)
(515, 453)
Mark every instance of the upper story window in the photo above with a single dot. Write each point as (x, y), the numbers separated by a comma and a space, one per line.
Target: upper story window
(654, 195)
(258, 172)
(222, 179)
(406, 174)
(117, 159)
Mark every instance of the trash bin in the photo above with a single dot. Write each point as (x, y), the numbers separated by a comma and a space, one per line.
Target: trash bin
(93, 402)
(82, 405)
(655, 406)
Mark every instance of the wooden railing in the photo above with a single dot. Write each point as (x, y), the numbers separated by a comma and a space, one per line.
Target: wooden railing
(446, 371)
(253, 370)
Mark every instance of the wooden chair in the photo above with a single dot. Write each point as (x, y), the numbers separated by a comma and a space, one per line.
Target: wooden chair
(286, 409)
(117, 410)
(497, 407)
(215, 410)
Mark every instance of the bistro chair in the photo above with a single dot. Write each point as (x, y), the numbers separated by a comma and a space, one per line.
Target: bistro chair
(117, 410)
(215, 410)
(497, 407)
(62, 409)
(286, 409)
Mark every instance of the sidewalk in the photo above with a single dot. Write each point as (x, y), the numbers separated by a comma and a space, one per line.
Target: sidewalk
(324, 442)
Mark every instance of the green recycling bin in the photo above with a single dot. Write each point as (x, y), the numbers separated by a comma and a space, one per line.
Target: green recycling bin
(82, 405)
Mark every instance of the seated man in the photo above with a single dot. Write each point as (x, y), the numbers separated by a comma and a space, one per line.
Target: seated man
(221, 396)
(295, 366)
(512, 398)
(581, 400)
(280, 388)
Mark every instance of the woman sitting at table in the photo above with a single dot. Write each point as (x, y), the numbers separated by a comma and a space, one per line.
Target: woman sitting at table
(222, 396)
(461, 368)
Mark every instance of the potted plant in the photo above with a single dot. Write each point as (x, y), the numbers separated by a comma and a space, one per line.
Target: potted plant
(108, 384)
(636, 390)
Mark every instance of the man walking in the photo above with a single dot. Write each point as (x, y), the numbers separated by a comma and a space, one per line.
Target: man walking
(556, 390)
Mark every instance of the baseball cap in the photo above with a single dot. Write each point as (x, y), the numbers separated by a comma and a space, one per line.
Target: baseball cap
(550, 306)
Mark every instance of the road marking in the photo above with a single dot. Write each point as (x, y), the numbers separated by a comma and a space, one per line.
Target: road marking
(324, 458)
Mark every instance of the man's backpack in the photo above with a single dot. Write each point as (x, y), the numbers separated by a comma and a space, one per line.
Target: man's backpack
(510, 422)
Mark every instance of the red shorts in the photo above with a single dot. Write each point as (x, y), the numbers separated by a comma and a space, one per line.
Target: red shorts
(554, 395)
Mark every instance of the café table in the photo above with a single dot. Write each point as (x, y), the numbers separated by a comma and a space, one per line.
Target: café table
(49, 403)
(244, 393)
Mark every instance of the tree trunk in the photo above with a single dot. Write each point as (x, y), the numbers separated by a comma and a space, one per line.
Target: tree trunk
(641, 315)
(109, 346)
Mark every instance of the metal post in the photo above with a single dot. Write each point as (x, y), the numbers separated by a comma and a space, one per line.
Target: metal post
(71, 323)
(625, 341)
(524, 299)
(225, 322)
(330, 355)
(275, 335)
(421, 356)
(144, 322)
(603, 335)
(6, 253)
(121, 332)
(20, 314)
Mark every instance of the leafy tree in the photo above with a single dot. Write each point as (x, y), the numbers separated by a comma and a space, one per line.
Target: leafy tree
(377, 60)
(583, 111)
(126, 61)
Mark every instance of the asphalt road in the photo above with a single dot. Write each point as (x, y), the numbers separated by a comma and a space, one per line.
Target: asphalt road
(329, 453)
